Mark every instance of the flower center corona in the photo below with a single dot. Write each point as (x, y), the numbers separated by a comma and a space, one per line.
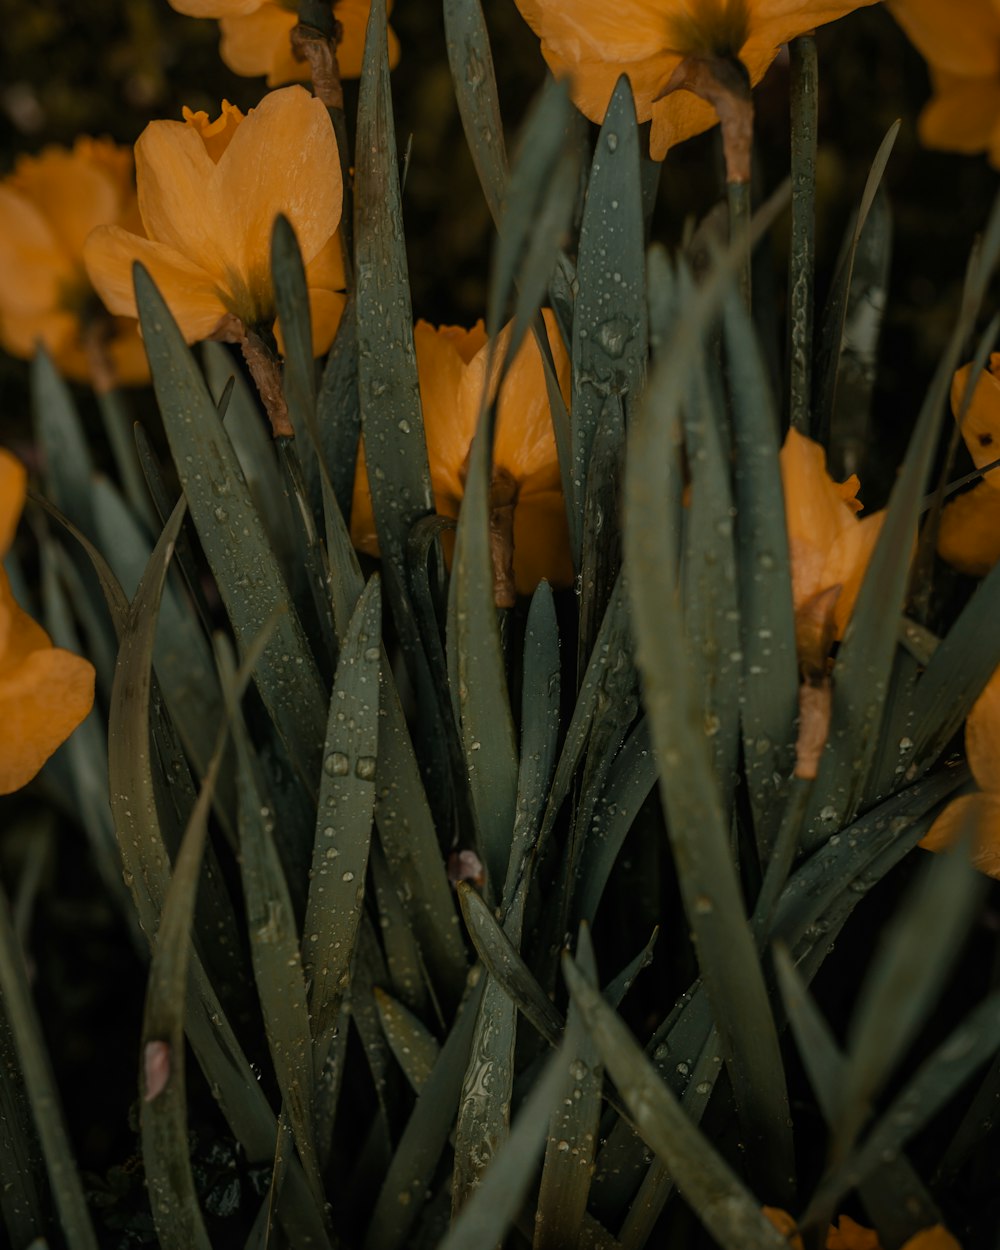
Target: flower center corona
(709, 28)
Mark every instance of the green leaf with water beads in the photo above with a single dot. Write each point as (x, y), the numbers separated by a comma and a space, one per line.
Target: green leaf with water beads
(471, 62)
(728, 1210)
(864, 662)
(697, 828)
(233, 536)
(387, 365)
(425, 1136)
(573, 1128)
(415, 1047)
(338, 410)
(343, 817)
(491, 1209)
(767, 619)
(609, 343)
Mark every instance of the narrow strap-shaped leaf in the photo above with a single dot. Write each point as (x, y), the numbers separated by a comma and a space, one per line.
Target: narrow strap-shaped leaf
(407, 977)
(894, 1196)
(298, 375)
(934, 1084)
(601, 557)
(338, 411)
(233, 536)
(471, 62)
(609, 345)
(906, 975)
(23, 1197)
(831, 340)
(176, 1212)
(507, 967)
(387, 365)
(69, 468)
(804, 95)
(728, 1210)
(415, 1047)
(40, 1085)
(485, 720)
(492, 1208)
(275, 951)
(343, 817)
(425, 1136)
(697, 829)
(767, 621)
(573, 1126)
(864, 662)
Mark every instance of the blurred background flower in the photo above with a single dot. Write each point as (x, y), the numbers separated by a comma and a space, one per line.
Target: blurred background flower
(48, 206)
(257, 36)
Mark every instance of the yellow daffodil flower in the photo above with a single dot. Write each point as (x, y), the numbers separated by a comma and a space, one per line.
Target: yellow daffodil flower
(848, 1234)
(961, 43)
(982, 733)
(829, 544)
(594, 43)
(969, 538)
(209, 194)
(526, 489)
(48, 206)
(45, 692)
(257, 36)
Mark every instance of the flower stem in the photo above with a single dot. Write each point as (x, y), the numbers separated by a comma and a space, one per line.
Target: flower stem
(804, 109)
(265, 369)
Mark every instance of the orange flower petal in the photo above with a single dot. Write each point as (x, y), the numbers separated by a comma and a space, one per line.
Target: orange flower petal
(190, 292)
(35, 266)
(260, 43)
(847, 563)
(784, 1223)
(969, 538)
(216, 8)
(363, 535)
(981, 426)
(541, 542)
(982, 811)
(936, 1238)
(816, 512)
(849, 1235)
(982, 736)
(962, 36)
(72, 193)
(282, 159)
(525, 444)
(42, 701)
(962, 115)
(13, 491)
(353, 18)
(449, 425)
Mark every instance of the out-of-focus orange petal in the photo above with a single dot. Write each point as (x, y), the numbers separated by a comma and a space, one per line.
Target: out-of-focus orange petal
(969, 538)
(962, 114)
(260, 43)
(982, 736)
(215, 8)
(34, 265)
(71, 192)
(982, 811)
(41, 703)
(541, 542)
(981, 426)
(363, 535)
(13, 490)
(353, 18)
(774, 22)
(849, 1235)
(282, 159)
(847, 563)
(936, 1238)
(191, 294)
(325, 310)
(784, 1223)
(57, 331)
(962, 36)
(128, 355)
